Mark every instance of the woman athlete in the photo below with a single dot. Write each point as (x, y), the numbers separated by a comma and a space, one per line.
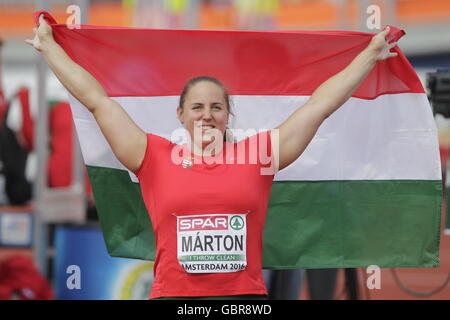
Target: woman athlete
(207, 218)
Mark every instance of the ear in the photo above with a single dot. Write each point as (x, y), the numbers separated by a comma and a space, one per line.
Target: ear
(179, 114)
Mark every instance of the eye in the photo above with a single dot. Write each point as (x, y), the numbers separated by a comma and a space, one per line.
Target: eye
(217, 106)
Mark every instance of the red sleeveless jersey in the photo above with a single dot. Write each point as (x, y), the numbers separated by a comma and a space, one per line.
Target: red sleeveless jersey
(208, 216)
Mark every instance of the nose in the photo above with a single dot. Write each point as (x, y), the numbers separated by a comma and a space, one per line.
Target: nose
(206, 114)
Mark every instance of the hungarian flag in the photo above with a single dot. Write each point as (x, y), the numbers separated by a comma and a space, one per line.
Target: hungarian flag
(366, 191)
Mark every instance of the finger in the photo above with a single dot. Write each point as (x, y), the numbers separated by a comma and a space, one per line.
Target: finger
(30, 42)
(385, 32)
(42, 20)
(34, 29)
(392, 54)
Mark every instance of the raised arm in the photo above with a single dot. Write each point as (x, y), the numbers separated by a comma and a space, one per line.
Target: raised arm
(127, 140)
(298, 130)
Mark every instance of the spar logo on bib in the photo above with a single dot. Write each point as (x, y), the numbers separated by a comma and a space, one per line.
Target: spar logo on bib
(237, 223)
(193, 223)
(210, 243)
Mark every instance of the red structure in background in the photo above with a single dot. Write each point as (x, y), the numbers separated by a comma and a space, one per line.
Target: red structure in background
(60, 161)
(20, 280)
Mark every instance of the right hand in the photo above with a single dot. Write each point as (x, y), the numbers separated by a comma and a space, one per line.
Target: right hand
(41, 34)
(382, 46)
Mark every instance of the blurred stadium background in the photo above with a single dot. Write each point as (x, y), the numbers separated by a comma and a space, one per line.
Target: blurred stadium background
(51, 240)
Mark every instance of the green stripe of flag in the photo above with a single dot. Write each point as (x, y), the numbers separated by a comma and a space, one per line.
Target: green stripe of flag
(331, 224)
(310, 224)
(124, 220)
(447, 213)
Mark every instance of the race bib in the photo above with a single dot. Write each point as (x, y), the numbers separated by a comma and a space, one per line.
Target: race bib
(212, 243)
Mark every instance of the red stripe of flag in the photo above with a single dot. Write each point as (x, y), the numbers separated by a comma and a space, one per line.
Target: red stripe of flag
(148, 62)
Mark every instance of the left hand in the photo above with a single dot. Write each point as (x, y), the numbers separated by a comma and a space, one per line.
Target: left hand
(42, 34)
(381, 47)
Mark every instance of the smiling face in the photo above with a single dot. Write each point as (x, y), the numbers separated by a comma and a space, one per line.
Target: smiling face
(205, 110)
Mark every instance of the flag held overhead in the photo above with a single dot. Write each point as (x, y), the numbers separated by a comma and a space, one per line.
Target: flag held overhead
(366, 191)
